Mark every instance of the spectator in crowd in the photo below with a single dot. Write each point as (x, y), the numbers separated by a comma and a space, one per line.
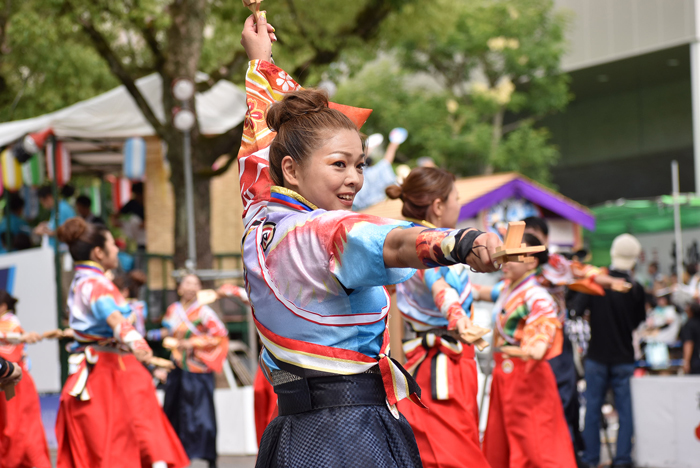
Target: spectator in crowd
(133, 217)
(378, 177)
(654, 280)
(663, 323)
(690, 337)
(15, 222)
(65, 212)
(693, 287)
(83, 205)
(610, 361)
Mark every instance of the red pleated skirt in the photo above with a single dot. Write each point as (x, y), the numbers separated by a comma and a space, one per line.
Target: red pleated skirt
(121, 426)
(447, 433)
(22, 438)
(526, 426)
(265, 403)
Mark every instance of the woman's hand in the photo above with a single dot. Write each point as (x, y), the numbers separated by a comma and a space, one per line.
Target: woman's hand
(481, 256)
(536, 350)
(258, 46)
(144, 355)
(31, 337)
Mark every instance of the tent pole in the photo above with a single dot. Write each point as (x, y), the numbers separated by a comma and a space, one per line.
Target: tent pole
(677, 220)
(8, 234)
(189, 199)
(56, 253)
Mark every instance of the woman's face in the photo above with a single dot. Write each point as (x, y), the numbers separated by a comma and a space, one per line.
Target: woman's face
(450, 214)
(189, 287)
(107, 257)
(332, 175)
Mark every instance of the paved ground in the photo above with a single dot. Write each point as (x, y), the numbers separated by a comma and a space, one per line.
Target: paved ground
(224, 462)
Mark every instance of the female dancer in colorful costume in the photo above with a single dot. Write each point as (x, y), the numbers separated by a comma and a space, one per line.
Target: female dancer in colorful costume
(201, 351)
(526, 425)
(109, 416)
(315, 270)
(448, 433)
(557, 276)
(23, 443)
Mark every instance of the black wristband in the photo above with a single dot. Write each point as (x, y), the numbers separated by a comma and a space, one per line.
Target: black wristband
(465, 244)
(10, 368)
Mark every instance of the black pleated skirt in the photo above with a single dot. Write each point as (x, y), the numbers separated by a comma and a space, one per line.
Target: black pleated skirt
(189, 405)
(348, 436)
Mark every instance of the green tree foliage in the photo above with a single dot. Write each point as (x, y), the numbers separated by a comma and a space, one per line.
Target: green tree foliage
(483, 72)
(57, 52)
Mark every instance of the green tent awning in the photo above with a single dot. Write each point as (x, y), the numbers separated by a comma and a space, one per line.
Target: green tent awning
(637, 217)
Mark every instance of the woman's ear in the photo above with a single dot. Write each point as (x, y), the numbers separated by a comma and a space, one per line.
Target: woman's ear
(437, 207)
(290, 171)
(97, 255)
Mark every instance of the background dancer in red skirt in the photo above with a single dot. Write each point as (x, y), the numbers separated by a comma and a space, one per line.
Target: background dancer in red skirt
(526, 425)
(23, 439)
(108, 416)
(447, 433)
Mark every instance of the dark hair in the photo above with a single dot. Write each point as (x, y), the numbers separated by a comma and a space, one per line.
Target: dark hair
(418, 191)
(654, 264)
(16, 202)
(691, 268)
(532, 241)
(67, 191)
(537, 224)
(695, 309)
(83, 200)
(44, 191)
(303, 121)
(7, 299)
(131, 281)
(82, 237)
(22, 241)
(137, 188)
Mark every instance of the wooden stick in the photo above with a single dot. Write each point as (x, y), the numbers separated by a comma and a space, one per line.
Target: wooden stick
(9, 392)
(513, 249)
(160, 362)
(254, 7)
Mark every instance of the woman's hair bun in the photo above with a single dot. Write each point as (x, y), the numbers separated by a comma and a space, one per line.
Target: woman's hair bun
(394, 192)
(294, 105)
(71, 230)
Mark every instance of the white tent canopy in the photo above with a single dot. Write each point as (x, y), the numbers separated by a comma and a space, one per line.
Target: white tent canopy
(115, 115)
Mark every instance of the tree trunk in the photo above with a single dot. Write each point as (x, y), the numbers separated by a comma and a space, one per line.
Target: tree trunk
(202, 207)
(184, 45)
(496, 135)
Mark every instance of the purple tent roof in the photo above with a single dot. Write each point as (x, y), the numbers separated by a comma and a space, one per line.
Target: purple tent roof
(522, 187)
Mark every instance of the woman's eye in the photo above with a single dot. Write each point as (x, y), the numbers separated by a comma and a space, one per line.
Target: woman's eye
(361, 167)
(339, 164)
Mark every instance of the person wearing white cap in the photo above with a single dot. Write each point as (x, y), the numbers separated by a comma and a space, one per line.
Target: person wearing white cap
(610, 360)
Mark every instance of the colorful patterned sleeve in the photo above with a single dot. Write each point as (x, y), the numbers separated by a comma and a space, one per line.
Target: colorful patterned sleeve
(10, 333)
(105, 299)
(356, 246)
(266, 84)
(541, 323)
(212, 322)
(584, 271)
